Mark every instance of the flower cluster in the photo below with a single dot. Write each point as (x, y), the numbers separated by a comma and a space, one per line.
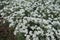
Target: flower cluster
(37, 19)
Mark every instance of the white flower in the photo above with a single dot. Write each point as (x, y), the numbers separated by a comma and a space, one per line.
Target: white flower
(47, 34)
(34, 35)
(56, 23)
(32, 27)
(12, 24)
(22, 10)
(24, 21)
(30, 33)
(49, 26)
(28, 37)
(2, 14)
(26, 31)
(47, 38)
(38, 28)
(38, 32)
(44, 21)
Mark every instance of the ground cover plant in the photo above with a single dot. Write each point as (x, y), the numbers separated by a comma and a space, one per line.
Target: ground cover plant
(33, 19)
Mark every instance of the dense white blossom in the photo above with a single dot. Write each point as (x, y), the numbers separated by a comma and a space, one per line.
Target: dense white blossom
(36, 18)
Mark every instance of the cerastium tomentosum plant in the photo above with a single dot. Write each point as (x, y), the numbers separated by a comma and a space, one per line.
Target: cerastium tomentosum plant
(35, 19)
